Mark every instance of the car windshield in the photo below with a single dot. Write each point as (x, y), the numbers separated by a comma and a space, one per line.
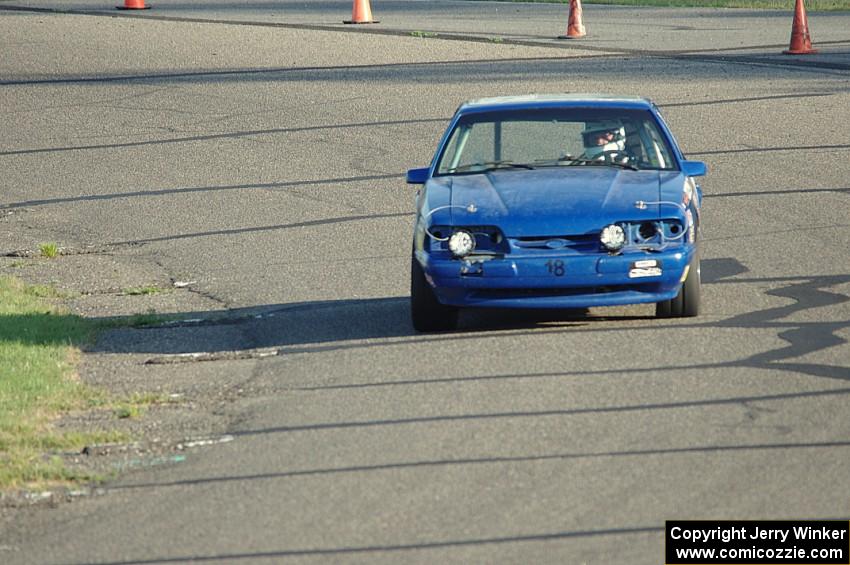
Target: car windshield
(531, 139)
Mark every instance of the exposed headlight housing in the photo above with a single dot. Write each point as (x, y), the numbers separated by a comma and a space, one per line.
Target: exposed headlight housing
(461, 243)
(613, 237)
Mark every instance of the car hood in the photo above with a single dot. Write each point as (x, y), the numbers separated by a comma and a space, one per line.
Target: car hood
(555, 201)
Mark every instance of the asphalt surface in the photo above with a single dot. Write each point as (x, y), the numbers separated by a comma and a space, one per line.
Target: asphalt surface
(260, 157)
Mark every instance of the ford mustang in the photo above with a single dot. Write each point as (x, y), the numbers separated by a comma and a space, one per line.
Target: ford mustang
(556, 201)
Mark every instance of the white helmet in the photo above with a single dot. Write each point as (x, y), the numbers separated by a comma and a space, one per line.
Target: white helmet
(602, 137)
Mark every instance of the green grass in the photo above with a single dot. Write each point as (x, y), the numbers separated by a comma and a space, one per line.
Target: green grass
(37, 356)
(123, 411)
(137, 404)
(49, 250)
(44, 291)
(811, 5)
(39, 348)
(142, 291)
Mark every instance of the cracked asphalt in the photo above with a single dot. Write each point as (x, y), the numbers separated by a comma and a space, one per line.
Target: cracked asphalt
(248, 161)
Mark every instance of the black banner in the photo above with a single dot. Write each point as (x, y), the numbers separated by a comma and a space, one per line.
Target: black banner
(739, 542)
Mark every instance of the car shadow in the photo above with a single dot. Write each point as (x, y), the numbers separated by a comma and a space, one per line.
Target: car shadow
(331, 323)
(341, 323)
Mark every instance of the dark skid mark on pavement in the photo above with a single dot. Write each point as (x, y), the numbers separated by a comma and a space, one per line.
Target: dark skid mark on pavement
(548, 413)
(770, 149)
(239, 231)
(274, 131)
(190, 190)
(389, 548)
(545, 42)
(332, 181)
(441, 35)
(770, 233)
(779, 192)
(481, 461)
(228, 135)
(749, 99)
(247, 72)
(795, 64)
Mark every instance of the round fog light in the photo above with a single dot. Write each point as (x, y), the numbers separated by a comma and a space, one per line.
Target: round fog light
(613, 237)
(461, 243)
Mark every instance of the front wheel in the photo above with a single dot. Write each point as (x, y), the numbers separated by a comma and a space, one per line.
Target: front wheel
(686, 303)
(426, 312)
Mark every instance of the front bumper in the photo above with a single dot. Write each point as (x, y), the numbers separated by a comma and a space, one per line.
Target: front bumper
(557, 280)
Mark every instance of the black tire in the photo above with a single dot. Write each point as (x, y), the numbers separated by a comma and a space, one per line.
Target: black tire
(426, 312)
(686, 304)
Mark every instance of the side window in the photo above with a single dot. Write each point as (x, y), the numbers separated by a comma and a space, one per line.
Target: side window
(633, 146)
(479, 147)
(655, 148)
(469, 145)
(450, 155)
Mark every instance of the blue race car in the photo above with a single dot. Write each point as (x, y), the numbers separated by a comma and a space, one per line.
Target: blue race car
(564, 201)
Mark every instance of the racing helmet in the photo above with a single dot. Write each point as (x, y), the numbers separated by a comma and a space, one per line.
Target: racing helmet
(603, 136)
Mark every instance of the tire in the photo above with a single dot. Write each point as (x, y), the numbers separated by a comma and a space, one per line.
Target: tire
(426, 312)
(686, 303)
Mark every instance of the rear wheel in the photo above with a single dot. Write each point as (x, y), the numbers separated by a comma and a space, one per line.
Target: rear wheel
(686, 303)
(427, 313)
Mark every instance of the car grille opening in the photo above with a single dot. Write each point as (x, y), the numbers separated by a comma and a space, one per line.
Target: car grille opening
(580, 243)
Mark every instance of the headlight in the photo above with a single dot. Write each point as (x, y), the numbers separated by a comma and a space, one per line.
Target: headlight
(613, 237)
(461, 243)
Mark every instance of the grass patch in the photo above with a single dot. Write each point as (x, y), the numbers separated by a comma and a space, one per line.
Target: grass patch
(48, 250)
(45, 291)
(149, 399)
(37, 355)
(128, 411)
(39, 349)
(137, 404)
(811, 5)
(142, 290)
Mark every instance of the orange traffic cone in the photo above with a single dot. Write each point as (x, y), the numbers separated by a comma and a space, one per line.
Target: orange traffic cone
(361, 13)
(801, 41)
(575, 27)
(133, 5)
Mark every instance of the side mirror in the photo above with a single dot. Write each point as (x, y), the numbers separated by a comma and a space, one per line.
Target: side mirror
(694, 168)
(417, 176)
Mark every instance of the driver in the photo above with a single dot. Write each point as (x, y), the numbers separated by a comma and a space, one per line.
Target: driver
(605, 140)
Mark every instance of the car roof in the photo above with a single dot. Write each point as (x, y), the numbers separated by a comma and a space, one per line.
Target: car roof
(531, 101)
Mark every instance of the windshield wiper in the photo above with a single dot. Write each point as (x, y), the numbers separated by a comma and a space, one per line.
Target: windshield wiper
(559, 162)
(569, 160)
(491, 166)
(628, 166)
